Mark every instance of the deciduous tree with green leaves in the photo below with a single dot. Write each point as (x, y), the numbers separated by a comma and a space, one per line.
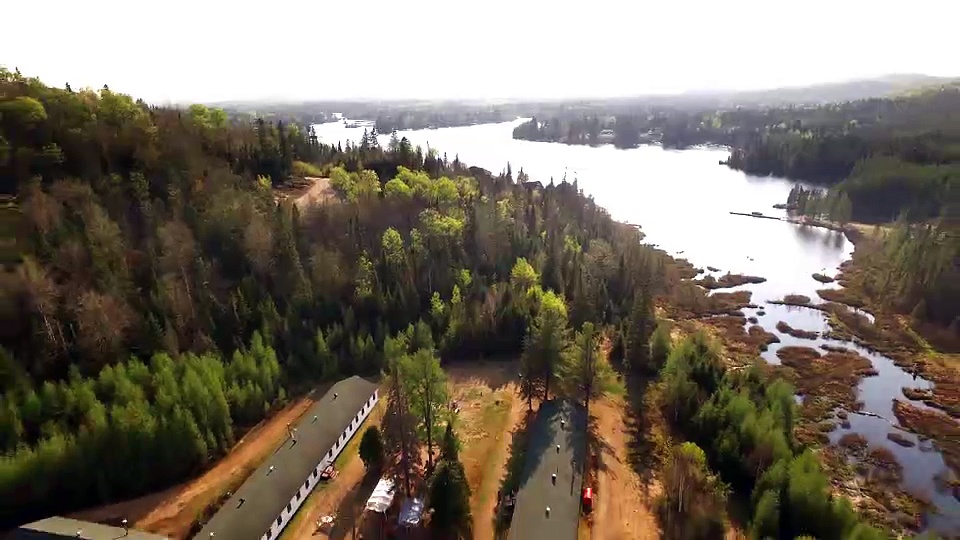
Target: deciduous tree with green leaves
(426, 384)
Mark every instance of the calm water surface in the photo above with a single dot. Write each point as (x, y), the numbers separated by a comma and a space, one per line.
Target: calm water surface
(682, 200)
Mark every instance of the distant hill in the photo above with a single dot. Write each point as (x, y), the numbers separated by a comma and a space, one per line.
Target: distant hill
(826, 93)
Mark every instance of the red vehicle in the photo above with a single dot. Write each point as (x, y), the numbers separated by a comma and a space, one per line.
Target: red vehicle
(586, 500)
(329, 473)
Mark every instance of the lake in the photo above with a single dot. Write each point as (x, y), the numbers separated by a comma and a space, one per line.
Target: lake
(682, 200)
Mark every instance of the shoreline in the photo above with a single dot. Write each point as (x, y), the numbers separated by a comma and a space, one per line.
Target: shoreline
(831, 390)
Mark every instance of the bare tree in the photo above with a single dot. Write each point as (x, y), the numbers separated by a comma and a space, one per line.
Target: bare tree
(258, 243)
(42, 298)
(102, 322)
(178, 252)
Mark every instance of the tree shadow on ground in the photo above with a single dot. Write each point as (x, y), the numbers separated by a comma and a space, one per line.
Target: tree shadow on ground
(495, 373)
(599, 452)
(349, 517)
(643, 449)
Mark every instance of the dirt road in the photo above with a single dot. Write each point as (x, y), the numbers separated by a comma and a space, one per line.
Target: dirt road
(172, 511)
(319, 191)
(624, 501)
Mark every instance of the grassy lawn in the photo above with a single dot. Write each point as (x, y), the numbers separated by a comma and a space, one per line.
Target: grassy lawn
(349, 453)
(494, 420)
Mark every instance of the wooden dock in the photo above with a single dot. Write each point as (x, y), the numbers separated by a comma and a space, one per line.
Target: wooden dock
(757, 216)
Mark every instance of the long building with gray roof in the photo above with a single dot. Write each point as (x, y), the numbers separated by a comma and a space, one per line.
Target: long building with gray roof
(266, 501)
(548, 500)
(62, 528)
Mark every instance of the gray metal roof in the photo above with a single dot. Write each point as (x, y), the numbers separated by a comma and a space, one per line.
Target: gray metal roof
(265, 495)
(63, 528)
(538, 491)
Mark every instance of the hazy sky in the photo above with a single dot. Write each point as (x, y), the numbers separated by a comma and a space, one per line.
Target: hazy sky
(206, 50)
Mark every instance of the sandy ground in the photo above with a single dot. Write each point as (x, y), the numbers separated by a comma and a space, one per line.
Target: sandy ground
(171, 511)
(343, 497)
(623, 501)
(305, 191)
(318, 192)
(490, 409)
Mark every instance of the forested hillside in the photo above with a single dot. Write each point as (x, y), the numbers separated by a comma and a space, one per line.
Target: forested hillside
(163, 300)
(887, 155)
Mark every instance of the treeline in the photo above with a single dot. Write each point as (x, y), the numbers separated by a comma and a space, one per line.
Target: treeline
(915, 270)
(621, 131)
(740, 424)
(820, 204)
(152, 250)
(132, 428)
(399, 118)
(628, 127)
(889, 156)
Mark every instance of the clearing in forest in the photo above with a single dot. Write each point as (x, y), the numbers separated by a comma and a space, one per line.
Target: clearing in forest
(490, 409)
(317, 191)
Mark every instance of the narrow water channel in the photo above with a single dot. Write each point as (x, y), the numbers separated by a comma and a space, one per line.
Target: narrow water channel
(682, 200)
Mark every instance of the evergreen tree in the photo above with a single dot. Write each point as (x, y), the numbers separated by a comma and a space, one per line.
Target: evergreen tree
(660, 344)
(586, 372)
(546, 344)
(401, 439)
(641, 325)
(450, 447)
(372, 448)
(450, 500)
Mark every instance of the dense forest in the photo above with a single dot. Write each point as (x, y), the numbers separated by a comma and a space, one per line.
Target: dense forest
(164, 297)
(741, 425)
(887, 156)
(433, 116)
(388, 116)
(621, 131)
(917, 271)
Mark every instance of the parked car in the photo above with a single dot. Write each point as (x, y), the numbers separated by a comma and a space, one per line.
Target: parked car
(586, 501)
